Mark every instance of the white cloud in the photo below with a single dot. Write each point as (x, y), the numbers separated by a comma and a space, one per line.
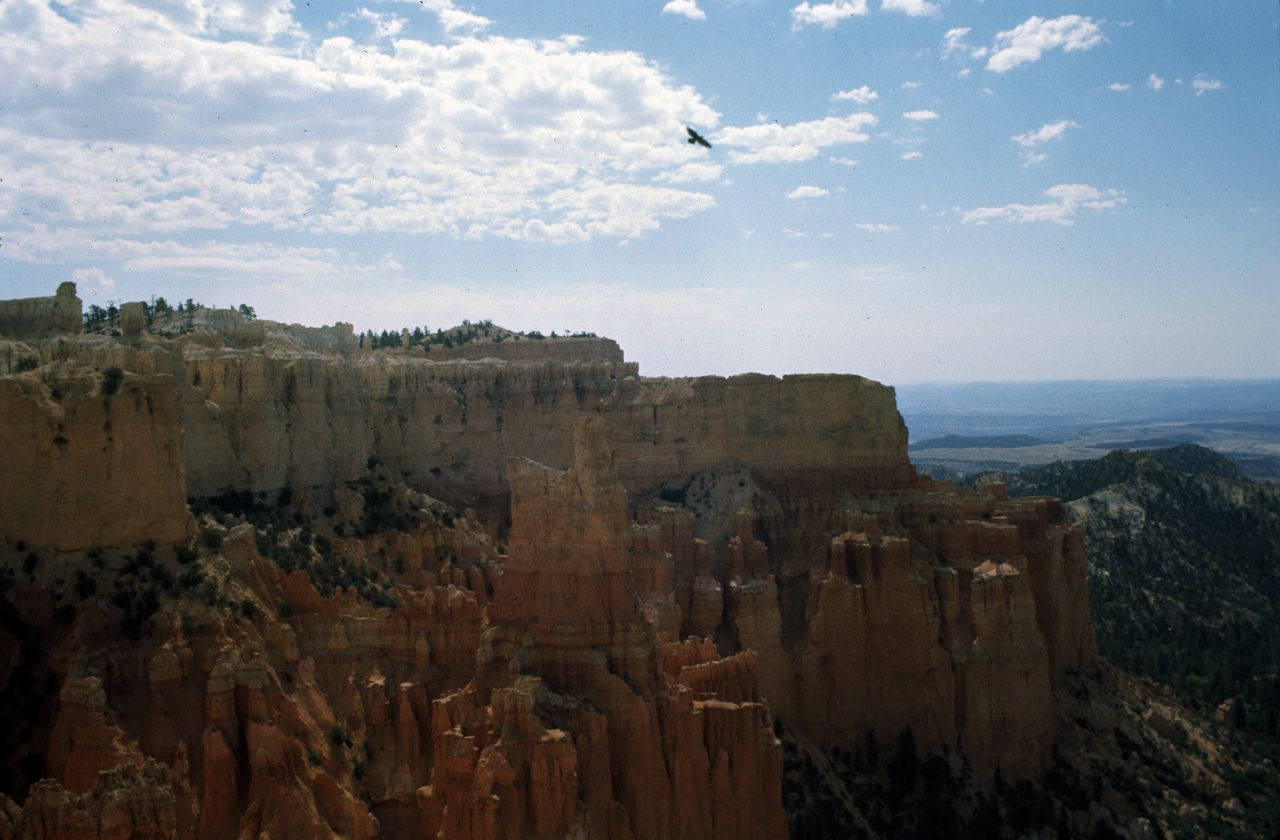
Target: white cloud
(774, 143)
(804, 265)
(1031, 39)
(1119, 86)
(910, 85)
(863, 95)
(920, 116)
(915, 8)
(688, 8)
(1201, 84)
(93, 280)
(1047, 132)
(493, 136)
(911, 155)
(807, 192)
(826, 15)
(844, 161)
(953, 41)
(452, 18)
(876, 228)
(384, 25)
(1068, 198)
(1155, 82)
(693, 171)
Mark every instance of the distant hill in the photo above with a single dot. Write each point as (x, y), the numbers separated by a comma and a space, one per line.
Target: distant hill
(1184, 568)
(978, 442)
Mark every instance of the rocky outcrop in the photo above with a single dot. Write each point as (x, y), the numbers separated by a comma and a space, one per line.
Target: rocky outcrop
(261, 422)
(42, 317)
(558, 350)
(91, 460)
(654, 569)
(130, 802)
(573, 725)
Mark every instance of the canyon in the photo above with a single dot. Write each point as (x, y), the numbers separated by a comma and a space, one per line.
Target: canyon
(263, 581)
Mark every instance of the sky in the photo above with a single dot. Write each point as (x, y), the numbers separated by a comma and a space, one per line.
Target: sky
(907, 190)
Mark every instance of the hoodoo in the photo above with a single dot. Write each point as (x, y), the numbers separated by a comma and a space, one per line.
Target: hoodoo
(514, 593)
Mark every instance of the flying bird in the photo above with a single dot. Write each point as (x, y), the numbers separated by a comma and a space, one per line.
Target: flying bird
(695, 137)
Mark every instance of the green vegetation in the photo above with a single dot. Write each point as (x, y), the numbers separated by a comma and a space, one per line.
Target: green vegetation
(1184, 571)
(832, 793)
(285, 539)
(338, 736)
(25, 363)
(466, 333)
(111, 379)
(106, 321)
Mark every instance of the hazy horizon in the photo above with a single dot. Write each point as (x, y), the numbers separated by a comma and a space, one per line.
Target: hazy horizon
(916, 192)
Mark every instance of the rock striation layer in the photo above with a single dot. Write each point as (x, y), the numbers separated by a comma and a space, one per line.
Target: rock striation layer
(574, 724)
(588, 628)
(91, 464)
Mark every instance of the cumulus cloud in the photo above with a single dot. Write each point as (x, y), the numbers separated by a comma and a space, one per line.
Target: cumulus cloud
(920, 116)
(844, 161)
(93, 280)
(1119, 86)
(774, 143)
(1067, 199)
(479, 136)
(452, 18)
(954, 42)
(384, 25)
(876, 228)
(1028, 41)
(911, 155)
(826, 15)
(807, 192)
(915, 8)
(1047, 132)
(1155, 82)
(688, 8)
(863, 95)
(1201, 84)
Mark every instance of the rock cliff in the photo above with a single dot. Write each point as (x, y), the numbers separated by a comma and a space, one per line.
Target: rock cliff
(42, 317)
(574, 723)
(496, 598)
(93, 458)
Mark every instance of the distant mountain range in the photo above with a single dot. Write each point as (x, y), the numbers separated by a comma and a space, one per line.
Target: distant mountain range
(980, 442)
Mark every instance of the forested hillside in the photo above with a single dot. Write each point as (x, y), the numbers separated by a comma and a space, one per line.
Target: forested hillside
(1184, 557)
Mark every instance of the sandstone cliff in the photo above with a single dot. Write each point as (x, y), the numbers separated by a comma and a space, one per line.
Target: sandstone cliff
(499, 598)
(41, 317)
(574, 723)
(90, 463)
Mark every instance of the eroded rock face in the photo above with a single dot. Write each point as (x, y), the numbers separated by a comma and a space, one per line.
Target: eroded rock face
(574, 723)
(130, 802)
(687, 558)
(43, 316)
(85, 468)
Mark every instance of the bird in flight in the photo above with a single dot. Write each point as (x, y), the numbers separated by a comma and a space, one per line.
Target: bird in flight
(695, 137)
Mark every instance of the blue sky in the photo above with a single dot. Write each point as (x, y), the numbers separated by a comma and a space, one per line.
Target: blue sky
(908, 190)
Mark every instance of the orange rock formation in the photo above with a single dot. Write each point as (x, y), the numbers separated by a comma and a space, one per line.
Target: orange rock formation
(572, 724)
(687, 559)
